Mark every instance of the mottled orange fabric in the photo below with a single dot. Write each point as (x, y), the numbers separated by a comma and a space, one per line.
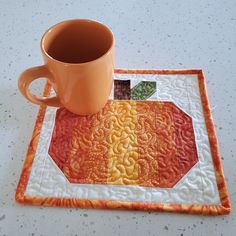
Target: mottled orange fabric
(78, 145)
(146, 143)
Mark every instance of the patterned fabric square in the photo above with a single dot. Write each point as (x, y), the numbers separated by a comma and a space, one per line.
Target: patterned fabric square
(122, 89)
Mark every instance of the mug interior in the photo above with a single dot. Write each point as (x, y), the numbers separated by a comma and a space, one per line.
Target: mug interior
(77, 41)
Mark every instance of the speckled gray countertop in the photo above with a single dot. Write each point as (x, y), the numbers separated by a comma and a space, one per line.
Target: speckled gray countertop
(149, 34)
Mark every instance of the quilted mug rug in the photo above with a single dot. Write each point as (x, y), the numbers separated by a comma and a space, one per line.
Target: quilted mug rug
(152, 147)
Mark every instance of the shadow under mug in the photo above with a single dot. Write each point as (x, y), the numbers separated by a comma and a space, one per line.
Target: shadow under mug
(79, 63)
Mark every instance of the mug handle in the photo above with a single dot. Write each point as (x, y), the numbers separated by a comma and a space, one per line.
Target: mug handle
(29, 76)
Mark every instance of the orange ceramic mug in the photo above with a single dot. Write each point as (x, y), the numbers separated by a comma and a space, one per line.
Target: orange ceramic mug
(79, 62)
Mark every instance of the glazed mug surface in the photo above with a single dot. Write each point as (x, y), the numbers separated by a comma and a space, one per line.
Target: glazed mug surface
(79, 63)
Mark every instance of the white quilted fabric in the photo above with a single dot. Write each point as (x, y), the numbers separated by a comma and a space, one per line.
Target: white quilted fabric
(197, 187)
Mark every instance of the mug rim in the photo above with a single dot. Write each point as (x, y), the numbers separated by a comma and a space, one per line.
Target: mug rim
(70, 21)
